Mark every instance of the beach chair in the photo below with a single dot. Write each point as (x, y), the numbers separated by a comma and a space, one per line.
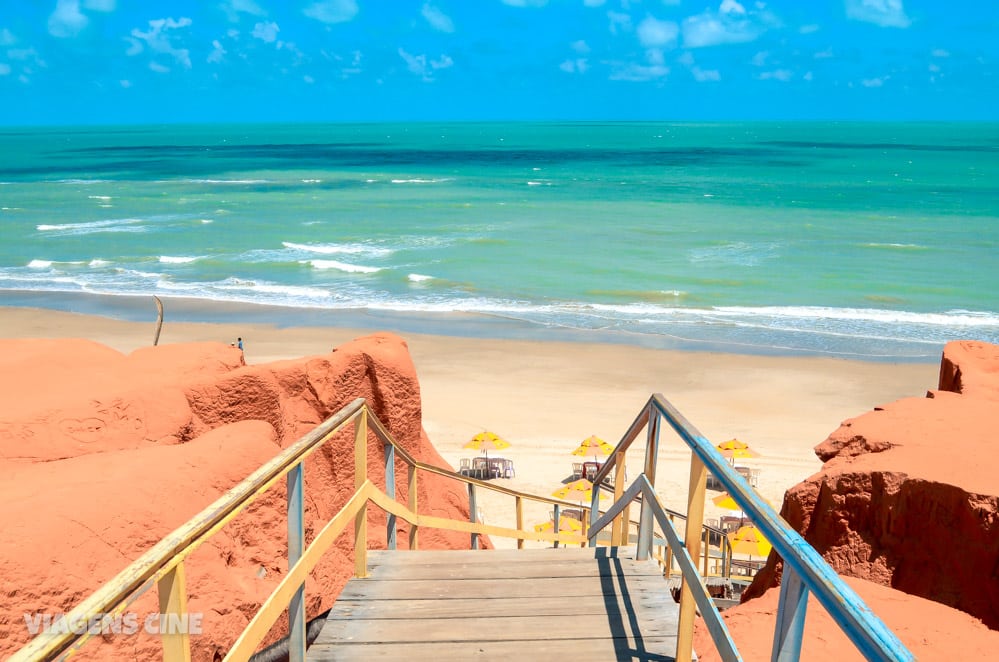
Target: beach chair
(577, 470)
(466, 467)
(752, 476)
(480, 468)
(508, 470)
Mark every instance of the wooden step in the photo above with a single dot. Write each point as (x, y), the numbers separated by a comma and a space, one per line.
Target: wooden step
(568, 603)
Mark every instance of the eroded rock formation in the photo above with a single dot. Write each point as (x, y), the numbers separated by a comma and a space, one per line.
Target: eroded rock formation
(908, 498)
(103, 454)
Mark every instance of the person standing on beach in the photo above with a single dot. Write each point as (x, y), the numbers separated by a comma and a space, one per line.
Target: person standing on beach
(239, 343)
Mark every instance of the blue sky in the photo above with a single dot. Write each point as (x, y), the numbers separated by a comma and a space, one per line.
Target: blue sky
(137, 61)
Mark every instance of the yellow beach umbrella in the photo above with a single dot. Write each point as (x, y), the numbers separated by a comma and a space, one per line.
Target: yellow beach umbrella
(593, 445)
(578, 490)
(748, 540)
(725, 501)
(733, 448)
(565, 523)
(486, 441)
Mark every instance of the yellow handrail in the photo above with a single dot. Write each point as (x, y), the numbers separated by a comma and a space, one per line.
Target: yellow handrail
(163, 564)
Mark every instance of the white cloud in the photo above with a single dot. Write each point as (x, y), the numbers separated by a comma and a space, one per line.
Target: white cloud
(233, 8)
(159, 68)
(939, 52)
(619, 21)
(308, 79)
(731, 7)
(443, 62)
(24, 79)
(934, 67)
(760, 59)
(437, 19)
(593, 3)
(580, 47)
(579, 65)
(637, 73)
(420, 66)
(525, 3)
(705, 75)
(218, 52)
(808, 75)
(7, 38)
(808, 29)
(4, 69)
(99, 5)
(782, 75)
(332, 11)
(67, 20)
(125, 83)
(26, 55)
(686, 59)
(266, 32)
(158, 40)
(653, 33)
(874, 82)
(731, 24)
(886, 13)
(823, 55)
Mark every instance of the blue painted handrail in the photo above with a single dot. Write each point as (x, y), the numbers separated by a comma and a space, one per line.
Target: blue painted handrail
(804, 568)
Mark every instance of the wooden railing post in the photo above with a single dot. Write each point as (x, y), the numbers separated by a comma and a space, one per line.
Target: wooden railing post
(555, 528)
(706, 548)
(520, 521)
(296, 543)
(472, 514)
(620, 528)
(390, 490)
(692, 541)
(173, 615)
(360, 476)
(790, 617)
(414, 530)
(644, 546)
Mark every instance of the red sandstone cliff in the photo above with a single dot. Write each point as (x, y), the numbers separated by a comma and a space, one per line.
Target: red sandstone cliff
(908, 498)
(102, 454)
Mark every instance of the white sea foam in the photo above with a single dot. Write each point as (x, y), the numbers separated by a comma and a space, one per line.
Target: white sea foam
(339, 249)
(99, 197)
(311, 181)
(39, 264)
(913, 247)
(342, 266)
(98, 262)
(955, 318)
(739, 253)
(171, 259)
(206, 220)
(418, 278)
(419, 180)
(228, 181)
(91, 227)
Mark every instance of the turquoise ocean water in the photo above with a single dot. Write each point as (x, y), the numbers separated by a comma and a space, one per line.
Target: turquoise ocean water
(873, 241)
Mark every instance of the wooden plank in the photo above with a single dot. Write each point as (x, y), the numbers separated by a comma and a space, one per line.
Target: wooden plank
(522, 570)
(554, 587)
(562, 554)
(651, 649)
(498, 628)
(656, 604)
(581, 604)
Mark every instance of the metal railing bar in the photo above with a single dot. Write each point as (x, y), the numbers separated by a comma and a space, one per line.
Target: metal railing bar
(867, 632)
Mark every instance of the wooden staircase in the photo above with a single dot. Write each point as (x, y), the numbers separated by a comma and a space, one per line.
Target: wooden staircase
(557, 604)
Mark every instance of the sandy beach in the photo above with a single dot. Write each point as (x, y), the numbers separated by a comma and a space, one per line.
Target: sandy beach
(546, 397)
